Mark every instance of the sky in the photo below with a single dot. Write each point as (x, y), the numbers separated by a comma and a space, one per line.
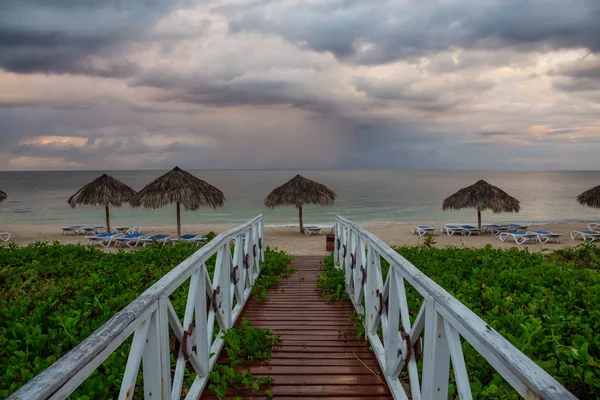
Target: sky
(290, 84)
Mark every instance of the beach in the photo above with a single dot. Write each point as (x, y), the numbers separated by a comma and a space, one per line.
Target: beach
(288, 238)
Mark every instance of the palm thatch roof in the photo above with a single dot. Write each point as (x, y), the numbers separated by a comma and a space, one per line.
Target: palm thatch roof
(482, 196)
(178, 186)
(590, 197)
(105, 191)
(3, 196)
(298, 191)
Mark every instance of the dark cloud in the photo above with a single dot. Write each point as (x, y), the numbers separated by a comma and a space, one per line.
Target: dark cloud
(75, 37)
(382, 31)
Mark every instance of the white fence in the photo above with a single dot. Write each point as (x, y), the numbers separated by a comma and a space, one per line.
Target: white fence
(150, 316)
(442, 317)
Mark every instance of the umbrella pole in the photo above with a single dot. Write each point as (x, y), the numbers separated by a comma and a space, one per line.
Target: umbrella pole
(300, 217)
(178, 219)
(107, 220)
(479, 219)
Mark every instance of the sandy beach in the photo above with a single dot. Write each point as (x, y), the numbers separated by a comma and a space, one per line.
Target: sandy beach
(289, 239)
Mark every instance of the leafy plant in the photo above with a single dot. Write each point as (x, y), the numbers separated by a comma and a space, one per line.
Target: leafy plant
(358, 320)
(331, 282)
(274, 268)
(243, 343)
(429, 241)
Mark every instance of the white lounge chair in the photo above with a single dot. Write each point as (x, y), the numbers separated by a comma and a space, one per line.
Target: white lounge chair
(103, 239)
(4, 236)
(72, 230)
(190, 238)
(312, 230)
(452, 229)
(470, 230)
(594, 227)
(423, 230)
(585, 235)
(494, 229)
(517, 227)
(131, 240)
(545, 237)
(159, 238)
(519, 237)
(131, 229)
(93, 230)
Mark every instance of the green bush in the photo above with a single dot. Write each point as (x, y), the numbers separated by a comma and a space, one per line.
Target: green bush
(52, 296)
(545, 304)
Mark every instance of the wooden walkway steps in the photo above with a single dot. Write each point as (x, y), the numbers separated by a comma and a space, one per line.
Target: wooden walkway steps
(314, 359)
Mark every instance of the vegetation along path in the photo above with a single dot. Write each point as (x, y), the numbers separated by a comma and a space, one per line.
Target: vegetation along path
(319, 354)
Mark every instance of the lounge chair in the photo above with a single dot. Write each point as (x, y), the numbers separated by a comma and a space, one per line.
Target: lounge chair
(190, 238)
(103, 239)
(312, 230)
(131, 240)
(159, 238)
(4, 236)
(470, 230)
(545, 237)
(452, 229)
(517, 227)
(131, 229)
(585, 235)
(72, 230)
(494, 229)
(519, 237)
(423, 230)
(92, 230)
(594, 227)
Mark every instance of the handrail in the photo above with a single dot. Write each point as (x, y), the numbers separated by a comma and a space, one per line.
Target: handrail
(150, 316)
(443, 318)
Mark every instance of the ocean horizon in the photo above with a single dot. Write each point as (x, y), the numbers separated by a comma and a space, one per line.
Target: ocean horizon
(365, 196)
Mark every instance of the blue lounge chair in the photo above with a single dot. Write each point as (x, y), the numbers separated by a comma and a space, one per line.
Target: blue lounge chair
(93, 229)
(519, 237)
(103, 239)
(470, 230)
(494, 229)
(72, 230)
(452, 229)
(131, 240)
(517, 227)
(190, 238)
(312, 230)
(545, 237)
(159, 238)
(423, 230)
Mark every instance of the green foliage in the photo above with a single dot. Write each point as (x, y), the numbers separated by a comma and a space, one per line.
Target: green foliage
(544, 304)
(274, 268)
(429, 241)
(331, 282)
(243, 343)
(53, 296)
(358, 320)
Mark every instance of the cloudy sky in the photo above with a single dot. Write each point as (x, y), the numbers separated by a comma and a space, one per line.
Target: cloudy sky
(147, 84)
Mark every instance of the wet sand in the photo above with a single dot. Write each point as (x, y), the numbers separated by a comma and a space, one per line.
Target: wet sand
(290, 239)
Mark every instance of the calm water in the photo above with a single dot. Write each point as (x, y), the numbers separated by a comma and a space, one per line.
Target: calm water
(40, 198)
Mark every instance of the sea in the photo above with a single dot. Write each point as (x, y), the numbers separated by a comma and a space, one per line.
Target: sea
(364, 196)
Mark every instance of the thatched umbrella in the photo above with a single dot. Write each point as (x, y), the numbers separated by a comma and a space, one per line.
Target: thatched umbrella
(590, 197)
(482, 196)
(180, 187)
(3, 196)
(104, 191)
(299, 191)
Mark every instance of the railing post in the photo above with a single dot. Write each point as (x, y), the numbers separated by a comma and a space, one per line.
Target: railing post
(393, 325)
(156, 359)
(436, 361)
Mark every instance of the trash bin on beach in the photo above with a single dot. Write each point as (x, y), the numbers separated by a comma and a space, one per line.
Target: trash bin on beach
(330, 241)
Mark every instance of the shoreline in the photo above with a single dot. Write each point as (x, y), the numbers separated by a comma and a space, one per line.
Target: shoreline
(289, 238)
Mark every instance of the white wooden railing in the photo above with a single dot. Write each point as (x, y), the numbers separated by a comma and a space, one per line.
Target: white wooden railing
(150, 316)
(443, 319)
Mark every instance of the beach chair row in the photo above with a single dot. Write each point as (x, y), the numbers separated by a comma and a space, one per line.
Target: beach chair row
(94, 230)
(133, 240)
(516, 232)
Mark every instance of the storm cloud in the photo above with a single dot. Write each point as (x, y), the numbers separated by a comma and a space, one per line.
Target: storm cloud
(297, 84)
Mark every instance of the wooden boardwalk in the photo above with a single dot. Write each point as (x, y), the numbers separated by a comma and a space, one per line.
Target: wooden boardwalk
(314, 359)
